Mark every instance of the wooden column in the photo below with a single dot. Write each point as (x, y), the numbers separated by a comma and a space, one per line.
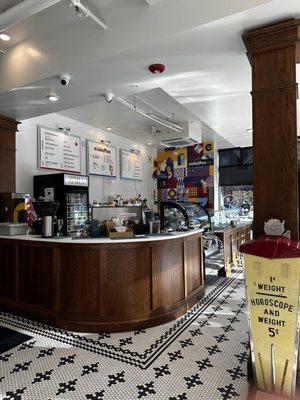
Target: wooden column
(8, 128)
(273, 52)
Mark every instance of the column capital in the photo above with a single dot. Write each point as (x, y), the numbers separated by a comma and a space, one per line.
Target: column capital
(279, 35)
(9, 124)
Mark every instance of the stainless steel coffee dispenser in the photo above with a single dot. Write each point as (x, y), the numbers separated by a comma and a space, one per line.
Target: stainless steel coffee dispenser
(46, 211)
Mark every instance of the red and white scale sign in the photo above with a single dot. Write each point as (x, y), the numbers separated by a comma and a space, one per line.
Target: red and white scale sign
(59, 151)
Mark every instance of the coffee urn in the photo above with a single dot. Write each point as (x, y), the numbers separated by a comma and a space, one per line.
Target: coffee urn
(46, 211)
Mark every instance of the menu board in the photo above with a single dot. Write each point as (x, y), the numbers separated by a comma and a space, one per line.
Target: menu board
(101, 159)
(59, 151)
(131, 165)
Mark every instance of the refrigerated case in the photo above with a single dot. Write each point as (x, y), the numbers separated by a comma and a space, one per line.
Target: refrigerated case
(187, 215)
(184, 215)
(72, 193)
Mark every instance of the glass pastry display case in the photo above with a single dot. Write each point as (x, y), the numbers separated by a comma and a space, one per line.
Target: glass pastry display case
(182, 215)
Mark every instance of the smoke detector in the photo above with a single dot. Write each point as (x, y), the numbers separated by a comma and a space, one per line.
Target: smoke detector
(157, 68)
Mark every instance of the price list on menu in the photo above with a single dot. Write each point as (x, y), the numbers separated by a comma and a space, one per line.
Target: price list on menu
(101, 159)
(59, 151)
(131, 165)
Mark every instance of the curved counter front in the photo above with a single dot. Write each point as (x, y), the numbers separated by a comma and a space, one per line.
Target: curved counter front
(101, 285)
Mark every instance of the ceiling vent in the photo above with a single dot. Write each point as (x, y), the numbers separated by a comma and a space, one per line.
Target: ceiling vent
(179, 142)
(191, 135)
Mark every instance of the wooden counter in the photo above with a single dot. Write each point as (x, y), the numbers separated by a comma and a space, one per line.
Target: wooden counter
(232, 238)
(101, 285)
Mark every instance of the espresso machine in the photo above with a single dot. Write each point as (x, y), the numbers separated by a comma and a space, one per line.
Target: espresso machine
(46, 212)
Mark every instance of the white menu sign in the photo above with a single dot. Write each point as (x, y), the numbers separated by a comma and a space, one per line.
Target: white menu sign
(59, 151)
(101, 159)
(131, 165)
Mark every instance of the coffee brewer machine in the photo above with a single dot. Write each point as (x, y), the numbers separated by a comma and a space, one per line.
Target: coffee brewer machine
(46, 212)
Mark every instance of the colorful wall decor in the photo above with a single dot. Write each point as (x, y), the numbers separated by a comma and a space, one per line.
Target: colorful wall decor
(186, 174)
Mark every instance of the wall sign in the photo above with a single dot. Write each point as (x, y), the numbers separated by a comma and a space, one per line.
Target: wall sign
(75, 180)
(131, 165)
(58, 151)
(273, 297)
(101, 159)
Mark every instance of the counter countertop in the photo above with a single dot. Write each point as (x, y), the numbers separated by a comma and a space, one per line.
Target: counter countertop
(230, 228)
(104, 240)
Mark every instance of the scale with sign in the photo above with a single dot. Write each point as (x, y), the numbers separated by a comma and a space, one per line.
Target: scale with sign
(272, 274)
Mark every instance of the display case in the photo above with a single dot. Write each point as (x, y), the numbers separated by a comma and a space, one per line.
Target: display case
(183, 215)
(72, 193)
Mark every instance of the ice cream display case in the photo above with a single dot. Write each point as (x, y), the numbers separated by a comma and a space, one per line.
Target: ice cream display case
(182, 215)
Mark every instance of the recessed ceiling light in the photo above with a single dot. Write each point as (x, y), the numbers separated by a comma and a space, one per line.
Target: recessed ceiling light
(52, 97)
(109, 128)
(4, 36)
(149, 143)
(134, 85)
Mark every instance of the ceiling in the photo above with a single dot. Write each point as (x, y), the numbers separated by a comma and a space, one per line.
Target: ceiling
(207, 77)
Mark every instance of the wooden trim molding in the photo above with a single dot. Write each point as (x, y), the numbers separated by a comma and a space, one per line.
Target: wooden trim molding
(232, 238)
(8, 128)
(275, 36)
(9, 124)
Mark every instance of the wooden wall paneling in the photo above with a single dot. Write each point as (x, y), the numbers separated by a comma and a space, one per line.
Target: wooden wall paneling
(7, 271)
(227, 252)
(8, 127)
(9, 124)
(168, 270)
(193, 278)
(103, 284)
(234, 244)
(231, 239)
(272, 51)
(102, 287)
(16, 277)
(79, 283)
(56, 280)
(7, 171)
(128, 288)
(278, 135)
(184, 270)
(247, 233)
(35, 276)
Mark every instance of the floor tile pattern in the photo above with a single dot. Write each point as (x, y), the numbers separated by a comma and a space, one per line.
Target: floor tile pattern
(202, 355)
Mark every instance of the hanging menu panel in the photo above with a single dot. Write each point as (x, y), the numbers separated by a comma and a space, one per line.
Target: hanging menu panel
(59, 151)
(101, 159)
(131, 165)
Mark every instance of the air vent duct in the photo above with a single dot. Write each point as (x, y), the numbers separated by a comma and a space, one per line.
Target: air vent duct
(178, 142)
(191, 135)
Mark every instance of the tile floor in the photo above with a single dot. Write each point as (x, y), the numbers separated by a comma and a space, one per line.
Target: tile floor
(202, 355)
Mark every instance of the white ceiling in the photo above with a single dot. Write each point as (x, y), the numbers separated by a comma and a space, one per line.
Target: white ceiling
(207, 70)
(6, 4)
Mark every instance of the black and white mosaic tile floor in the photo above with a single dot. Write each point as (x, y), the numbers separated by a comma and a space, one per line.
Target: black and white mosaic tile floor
(202, 355)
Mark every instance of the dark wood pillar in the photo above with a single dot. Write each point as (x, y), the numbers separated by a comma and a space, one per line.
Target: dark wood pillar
(273, 52)
(8, 128)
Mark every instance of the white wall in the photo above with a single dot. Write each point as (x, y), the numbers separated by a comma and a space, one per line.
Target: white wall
(100, 187)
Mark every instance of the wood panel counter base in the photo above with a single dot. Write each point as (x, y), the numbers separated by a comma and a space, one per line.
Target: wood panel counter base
(101, 287)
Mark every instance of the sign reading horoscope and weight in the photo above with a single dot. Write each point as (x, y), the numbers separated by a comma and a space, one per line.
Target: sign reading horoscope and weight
(273, 297)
